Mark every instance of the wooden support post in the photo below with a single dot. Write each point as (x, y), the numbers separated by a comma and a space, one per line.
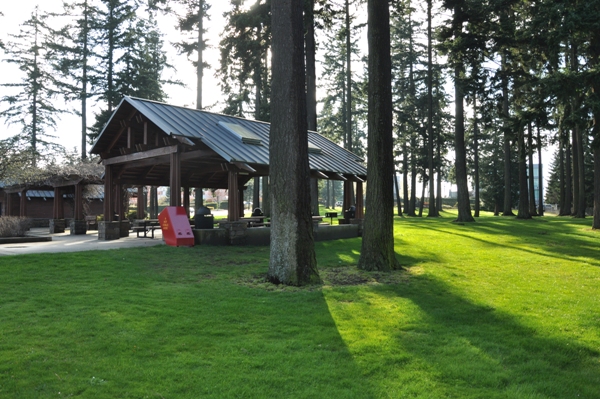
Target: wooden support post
(58, 211)
(360, 208)
(130, 142)
(186, 200)
(175, 179)
(8, 210)
(119, 198)
(78, 202)
(23, 207)
(234, 193)
(145, 132)
(241, 201)
(109, 209)
(348, 200)
(141, 203)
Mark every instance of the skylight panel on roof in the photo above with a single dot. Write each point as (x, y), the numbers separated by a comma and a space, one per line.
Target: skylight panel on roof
(313, 149)
(240, 131)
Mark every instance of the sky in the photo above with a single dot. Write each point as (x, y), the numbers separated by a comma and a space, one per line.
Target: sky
(68, 132)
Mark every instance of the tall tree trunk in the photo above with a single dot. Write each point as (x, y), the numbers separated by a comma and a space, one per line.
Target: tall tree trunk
(398, 202)
(377, 252)
(256, 194)
(439, 174)
(348, 79)
(422, 204)
(464, 205)
(292, 260)
(476, 155)
(200, 51)
(575, 160)
(568, 179)
(540, 175)
(562, 175)
(596, 221)
(578, 163)
(412, 204)
(523, 212)
(531, 177)
(507, 156)
(311, 90)
(405, 178)
(595, 61)
(84, 80)
(433, 210)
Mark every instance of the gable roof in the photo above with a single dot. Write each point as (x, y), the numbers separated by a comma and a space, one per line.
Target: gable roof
(232, 138)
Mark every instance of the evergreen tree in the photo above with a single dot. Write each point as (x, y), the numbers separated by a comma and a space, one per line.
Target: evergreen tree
(377, 251)
(244, 73)
(292, 259)
(73, 59)
(192, 23)
(30, 102)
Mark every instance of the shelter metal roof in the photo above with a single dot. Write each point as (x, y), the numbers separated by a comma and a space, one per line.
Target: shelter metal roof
(211, 129)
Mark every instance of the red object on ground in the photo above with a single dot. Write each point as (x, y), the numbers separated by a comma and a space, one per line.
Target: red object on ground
(175, 227)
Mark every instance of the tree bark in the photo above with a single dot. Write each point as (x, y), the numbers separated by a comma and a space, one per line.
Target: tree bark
(348, 126)
(568, 180)
(377, 252)
(507, 156)
(531, 178)
(523, 212)
(398, 203)
(433, 210)
(476, 156)
(596, 221)
(200, 50)
(311, 70)
(540, 176)
(595, 60)
(464, 205)
(292, 260)
(405, 178)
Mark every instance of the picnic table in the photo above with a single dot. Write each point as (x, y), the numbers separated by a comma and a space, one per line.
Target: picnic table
(255, 221)
(145, 226)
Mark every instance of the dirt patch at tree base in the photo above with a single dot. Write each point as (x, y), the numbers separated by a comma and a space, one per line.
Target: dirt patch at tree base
(332, 277)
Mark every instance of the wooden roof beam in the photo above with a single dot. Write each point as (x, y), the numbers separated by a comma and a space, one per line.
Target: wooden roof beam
(137, 156)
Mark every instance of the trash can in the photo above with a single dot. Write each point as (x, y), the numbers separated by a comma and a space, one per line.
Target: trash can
(350, 213)
(204, 219)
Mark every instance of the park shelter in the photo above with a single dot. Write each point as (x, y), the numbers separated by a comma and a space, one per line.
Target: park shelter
(148, 143)
(53, 198)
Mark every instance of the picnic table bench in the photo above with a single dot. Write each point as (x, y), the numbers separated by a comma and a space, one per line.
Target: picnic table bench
(145, 226)
(254, 221)
(91, 222)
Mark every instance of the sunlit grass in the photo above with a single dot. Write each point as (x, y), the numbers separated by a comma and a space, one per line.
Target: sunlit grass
(496, 309)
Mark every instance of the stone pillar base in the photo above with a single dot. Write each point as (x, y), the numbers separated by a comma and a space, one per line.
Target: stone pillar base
(360, 223)
(57, 226)
(236, 232)
(78, 227)
(109, 231)
(124, 229)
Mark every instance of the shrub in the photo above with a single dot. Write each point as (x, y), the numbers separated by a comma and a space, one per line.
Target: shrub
(13, 226)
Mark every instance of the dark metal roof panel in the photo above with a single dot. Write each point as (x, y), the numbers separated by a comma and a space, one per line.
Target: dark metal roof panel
(204, 126)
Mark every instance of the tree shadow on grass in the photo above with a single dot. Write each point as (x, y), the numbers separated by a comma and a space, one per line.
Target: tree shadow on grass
(479, 352)
(163, 332)
(565, 244)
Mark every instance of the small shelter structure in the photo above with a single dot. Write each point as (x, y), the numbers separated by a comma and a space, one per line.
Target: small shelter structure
(148, 143)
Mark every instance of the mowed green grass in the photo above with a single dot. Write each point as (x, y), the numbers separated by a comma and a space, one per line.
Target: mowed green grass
(496, 309)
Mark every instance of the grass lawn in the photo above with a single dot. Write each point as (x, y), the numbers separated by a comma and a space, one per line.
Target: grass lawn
(496, 309)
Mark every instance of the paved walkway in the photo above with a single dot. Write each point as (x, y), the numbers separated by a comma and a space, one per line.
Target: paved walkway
(65, 242)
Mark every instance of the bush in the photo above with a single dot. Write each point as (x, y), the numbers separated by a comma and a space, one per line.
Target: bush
(13, 226)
